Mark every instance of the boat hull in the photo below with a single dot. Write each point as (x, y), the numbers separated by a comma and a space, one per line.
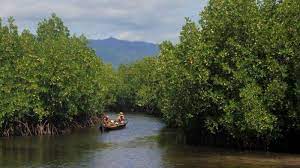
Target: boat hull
(111, 128)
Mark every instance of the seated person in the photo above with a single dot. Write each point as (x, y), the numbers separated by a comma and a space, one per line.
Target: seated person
(106, 119)
(121, 118)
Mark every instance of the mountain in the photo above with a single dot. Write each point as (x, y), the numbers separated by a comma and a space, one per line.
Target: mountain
(118, 52)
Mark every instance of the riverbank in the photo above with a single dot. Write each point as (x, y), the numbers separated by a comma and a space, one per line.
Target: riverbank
(47, 127)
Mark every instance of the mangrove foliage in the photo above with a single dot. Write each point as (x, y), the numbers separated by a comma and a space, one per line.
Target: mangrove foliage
(235, 72)
(50, 80)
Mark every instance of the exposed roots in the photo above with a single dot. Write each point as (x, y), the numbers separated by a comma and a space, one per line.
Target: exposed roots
(20, 128)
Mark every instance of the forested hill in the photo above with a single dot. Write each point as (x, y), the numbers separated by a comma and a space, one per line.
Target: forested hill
(118, 52)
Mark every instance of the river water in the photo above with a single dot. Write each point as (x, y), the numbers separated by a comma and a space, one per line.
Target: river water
(144, 143)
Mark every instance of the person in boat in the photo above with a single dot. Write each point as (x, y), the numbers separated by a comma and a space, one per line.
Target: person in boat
(106, 120)
(121, 118)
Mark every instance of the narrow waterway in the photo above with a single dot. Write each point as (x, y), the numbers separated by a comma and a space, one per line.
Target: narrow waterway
(144, 143)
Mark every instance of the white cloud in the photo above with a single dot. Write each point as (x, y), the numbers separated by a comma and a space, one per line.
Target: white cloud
(148, 20)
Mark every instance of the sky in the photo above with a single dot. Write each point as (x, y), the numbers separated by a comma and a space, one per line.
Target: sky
(134, 20)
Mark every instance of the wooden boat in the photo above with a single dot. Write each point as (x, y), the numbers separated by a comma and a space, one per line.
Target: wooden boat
(116, 126)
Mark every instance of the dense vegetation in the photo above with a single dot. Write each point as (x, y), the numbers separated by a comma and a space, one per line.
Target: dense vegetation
(137, 86)
(236, 73)
(49, 81)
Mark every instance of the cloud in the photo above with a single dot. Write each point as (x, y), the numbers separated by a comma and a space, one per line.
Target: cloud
(148, 20)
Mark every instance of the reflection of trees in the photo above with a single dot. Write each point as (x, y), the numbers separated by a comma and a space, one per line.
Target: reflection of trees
(57, 150)
(178, 154)
(169, 137)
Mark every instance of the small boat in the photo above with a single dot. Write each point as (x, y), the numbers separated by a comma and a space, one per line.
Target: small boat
(116, 126)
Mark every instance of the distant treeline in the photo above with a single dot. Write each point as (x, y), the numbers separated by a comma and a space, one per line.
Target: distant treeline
(49, 81)
(235, 73)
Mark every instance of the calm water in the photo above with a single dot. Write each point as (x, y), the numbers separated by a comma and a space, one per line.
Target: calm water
(144, 143)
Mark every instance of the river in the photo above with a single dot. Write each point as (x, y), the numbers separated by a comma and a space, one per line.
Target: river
(144, 143)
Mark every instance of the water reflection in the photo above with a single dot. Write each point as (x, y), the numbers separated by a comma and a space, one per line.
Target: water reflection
(144, 143)
(48, 150)
(178, 155)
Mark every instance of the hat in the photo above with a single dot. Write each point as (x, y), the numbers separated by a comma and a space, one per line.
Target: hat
(121, 113)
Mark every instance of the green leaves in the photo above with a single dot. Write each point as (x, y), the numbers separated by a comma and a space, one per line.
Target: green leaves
(51, 76)
(138, 85)
(236, 71)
